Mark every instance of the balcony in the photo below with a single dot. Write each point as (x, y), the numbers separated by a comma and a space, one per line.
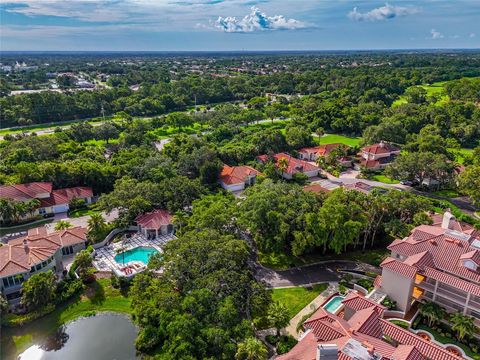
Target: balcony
(417, 293)
(419, 279)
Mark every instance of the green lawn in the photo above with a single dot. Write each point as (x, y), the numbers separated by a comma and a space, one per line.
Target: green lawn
(97, 297)
(100, 143)
(168, 131)
(335, 138)
(449, 193)
(88, 210)
(460, 154)
(384, 179)
(296, 298)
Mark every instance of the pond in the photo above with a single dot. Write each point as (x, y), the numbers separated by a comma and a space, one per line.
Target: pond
(105, 336)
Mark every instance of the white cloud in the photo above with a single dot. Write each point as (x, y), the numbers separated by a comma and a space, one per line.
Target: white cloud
(257, 21)
(436, 34)
(382, 13)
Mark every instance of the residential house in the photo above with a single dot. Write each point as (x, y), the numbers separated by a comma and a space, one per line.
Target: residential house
(361, 334)
(313, 153)
(438, 262)
(377, 156)
(155, 223)
(294, 165)
(35, 253)
(51, 201)
(235, 178)
(359, 186)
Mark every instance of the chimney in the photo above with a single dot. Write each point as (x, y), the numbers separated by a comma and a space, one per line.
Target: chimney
(382, 144)
(25, 244)
(448, 220)
(327, 352)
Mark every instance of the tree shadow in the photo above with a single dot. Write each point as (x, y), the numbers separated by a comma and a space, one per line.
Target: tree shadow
(95, 293)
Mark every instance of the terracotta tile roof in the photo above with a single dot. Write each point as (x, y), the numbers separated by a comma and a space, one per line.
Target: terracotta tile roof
(378, 281)
(420, 260)
(454, 281)
(237, 174)
(445, 246)
(24, 192)
(380, 148)
(321, 150)
(294, 165)
(357, 302)
(399, 267)
(405, 337)
(17, 257)
(64, 196)
(371, 164)
(315, 188)
(363, 334)
(407, 352)
(154, 219)
(359, 186)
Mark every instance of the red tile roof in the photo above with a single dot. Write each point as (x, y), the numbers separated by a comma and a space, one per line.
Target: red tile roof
(64, 196)
(380, 148)
(358, 302)
(359, 186)
(321, 150)
(154, 219)
(399, 267)
(363, 332)
(24, 192)
(315, 188)
(16, 258)
(294, 165)
(237, 174)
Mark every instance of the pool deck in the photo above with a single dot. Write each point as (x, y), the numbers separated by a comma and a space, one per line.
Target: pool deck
(105, 257)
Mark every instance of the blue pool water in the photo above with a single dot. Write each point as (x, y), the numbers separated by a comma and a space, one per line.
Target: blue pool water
(141, 253)
(333, 304)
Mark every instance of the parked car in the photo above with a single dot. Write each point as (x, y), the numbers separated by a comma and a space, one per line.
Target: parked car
(406, 182)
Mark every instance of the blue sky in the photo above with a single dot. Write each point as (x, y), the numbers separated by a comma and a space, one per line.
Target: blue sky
(210, 25)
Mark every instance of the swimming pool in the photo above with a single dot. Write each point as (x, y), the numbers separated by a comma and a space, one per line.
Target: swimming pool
(334, 304)
(141, 253)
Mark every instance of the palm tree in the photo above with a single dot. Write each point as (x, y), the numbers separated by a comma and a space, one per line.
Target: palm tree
(282, 164)
(180, 219)
(96, 226)
(278, 316)
(31, 206)
(432, 311)
(63, 225)
(319, 132)
(251, 349)
(7, 210)
(83, 260)
(463, 325)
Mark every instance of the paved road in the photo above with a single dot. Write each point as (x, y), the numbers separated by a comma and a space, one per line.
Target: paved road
(308, 274)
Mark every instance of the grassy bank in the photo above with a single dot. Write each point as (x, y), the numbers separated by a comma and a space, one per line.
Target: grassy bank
(296, 298)
(97, 297)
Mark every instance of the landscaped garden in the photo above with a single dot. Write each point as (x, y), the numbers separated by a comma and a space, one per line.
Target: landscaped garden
(296, 298)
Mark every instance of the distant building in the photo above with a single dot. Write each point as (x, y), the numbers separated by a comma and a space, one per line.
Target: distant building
(51, 201)
(294, 165)
(313, 153)
(235, 178)
(378, 156)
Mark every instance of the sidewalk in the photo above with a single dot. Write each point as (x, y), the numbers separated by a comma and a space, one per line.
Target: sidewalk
(291, 329)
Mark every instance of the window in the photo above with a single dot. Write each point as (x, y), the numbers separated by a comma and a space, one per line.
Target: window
(13, 280)
(14, 295)
(67, 250)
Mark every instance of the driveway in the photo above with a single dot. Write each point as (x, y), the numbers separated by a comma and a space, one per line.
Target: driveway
(327, 271)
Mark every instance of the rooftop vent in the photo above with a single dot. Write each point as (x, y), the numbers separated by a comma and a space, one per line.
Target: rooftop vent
(457, 235)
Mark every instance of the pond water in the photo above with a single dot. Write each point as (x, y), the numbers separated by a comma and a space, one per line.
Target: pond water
(101, 337)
